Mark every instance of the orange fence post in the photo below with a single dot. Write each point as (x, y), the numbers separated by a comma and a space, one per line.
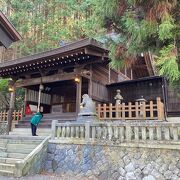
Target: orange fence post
(159, 108)
(130, 110)
(104, 111)
(110, 110)
(151, 109)
(99, 111)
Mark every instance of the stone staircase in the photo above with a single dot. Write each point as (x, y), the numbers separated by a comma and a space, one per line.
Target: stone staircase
(23, 128)
(47, 120)
(27, 131)
(14, 149)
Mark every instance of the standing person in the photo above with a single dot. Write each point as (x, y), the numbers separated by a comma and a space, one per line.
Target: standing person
(35, 121)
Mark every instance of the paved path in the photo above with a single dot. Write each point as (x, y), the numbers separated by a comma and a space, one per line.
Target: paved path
(47, 177)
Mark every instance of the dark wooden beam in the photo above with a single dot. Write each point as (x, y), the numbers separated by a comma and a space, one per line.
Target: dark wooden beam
(46, 79)
(5, 40)
(92, 52)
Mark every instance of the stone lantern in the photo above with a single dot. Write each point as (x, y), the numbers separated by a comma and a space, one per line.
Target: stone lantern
(140, 103)
(118, 97)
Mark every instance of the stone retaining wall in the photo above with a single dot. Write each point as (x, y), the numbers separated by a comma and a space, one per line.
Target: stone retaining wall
(113, 162)
(3, 128)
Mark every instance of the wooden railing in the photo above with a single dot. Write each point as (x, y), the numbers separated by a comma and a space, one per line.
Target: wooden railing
(136, 111)
(16, 116)
(117, 132)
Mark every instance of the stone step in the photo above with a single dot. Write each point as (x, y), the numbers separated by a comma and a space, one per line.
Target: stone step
(22, 134)
(9, 160)
(6, 173)
(28, 125)
(18, 148)
(21, 146)
(3, 154)
(21, 151)
(2, 148)
(17, 155)
(29, 129)
(2, 145)
(55, 115)
(20, 140)
(5, 166)
(27, 132)
(3, 142)
(50, 119)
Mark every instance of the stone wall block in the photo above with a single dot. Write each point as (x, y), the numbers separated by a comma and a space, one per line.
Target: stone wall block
(111, 162)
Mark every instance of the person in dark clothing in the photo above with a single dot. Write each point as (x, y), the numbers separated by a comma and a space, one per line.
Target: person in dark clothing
(35, 121)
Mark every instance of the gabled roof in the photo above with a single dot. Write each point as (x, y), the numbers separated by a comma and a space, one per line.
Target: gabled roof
(81, 51)
(8, 33)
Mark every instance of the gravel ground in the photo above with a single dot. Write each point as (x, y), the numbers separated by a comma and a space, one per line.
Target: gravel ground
(47, 177)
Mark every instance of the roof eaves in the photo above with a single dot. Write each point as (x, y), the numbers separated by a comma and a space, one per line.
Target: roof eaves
(10, 29)
(64, 49)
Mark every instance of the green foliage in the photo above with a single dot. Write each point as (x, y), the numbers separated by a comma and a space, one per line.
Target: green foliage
(44, 23)
(19, 102)
(3, 85)
(116, 62)
(167, 63)
(166, 29)
(5, 96)
(146, 26)
(142, 26)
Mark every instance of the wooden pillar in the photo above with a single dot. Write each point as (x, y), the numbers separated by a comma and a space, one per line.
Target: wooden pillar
(25, 100)
(90, 83)
(78, 95)
(109, 74)
(11, 109)
(41, 87)
(131, 73)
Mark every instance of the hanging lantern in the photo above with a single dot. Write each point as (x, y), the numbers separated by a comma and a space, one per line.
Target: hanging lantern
(77, 79)
(11, 86)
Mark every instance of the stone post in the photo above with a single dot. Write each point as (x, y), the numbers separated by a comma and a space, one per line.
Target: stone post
(18, 169)
(87, 131)
(53, 129)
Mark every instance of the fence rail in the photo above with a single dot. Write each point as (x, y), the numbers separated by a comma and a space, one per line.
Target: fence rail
(16, 116)
(137, 110)
(123, 132)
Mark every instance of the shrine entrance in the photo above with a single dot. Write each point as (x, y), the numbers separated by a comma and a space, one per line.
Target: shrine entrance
(57, 97)
(63, 97)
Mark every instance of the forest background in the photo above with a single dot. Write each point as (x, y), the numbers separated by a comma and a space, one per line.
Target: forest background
(129, 28)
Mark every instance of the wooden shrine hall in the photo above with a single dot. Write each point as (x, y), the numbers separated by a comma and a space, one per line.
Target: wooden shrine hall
(55, 80)
(62, 75)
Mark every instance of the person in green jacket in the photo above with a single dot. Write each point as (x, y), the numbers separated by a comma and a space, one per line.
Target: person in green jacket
(35, 121)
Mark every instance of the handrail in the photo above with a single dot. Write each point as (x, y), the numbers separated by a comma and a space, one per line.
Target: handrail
(20, 165)
(118, 131)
